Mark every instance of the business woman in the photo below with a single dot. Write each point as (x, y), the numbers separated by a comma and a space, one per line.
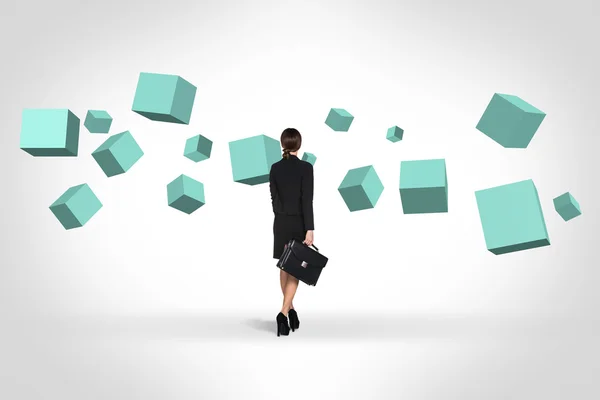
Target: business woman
(291, 184)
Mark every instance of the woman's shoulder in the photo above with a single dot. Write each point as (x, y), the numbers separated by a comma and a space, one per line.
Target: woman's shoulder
(276, 164)
(306, 166)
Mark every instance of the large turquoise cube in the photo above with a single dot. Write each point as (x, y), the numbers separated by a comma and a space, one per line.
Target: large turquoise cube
(75, 207)
(424, 186)
(118, 154)
(47, 132)
(309, 157)
(361, 188)
(394, 134)
(251, 158)
(567, 207)
(198, 148)
(98, 121)
(166, 98)
(510, 121)
(185, 194)
(512, 218)
(339, 119)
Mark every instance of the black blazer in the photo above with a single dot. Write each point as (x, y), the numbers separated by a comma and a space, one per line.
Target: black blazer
(291, 182)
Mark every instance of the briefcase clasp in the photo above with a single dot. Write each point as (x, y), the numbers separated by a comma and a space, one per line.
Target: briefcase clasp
(304, 264)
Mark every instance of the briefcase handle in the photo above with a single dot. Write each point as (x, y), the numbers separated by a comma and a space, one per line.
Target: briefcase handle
(312, 245)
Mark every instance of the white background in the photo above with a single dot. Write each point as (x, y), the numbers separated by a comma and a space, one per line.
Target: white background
(409, 306)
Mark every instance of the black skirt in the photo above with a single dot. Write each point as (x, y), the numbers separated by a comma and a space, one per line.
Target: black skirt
(286, 228)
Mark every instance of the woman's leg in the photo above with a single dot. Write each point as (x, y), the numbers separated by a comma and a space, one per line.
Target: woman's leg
(283, 278)
(289, 292)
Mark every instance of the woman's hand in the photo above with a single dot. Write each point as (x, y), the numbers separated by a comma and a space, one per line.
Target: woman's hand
(310, 237)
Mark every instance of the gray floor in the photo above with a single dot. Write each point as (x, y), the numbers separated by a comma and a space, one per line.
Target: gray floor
(350, 356)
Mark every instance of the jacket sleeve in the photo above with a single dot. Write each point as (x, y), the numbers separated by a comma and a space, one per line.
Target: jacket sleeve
(307, 198)
(273, 188)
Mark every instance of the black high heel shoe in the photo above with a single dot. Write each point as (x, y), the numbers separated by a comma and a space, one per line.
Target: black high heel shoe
(294, 321)
(282, 325)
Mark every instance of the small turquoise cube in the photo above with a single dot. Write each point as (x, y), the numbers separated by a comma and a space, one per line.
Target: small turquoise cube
(198, 148)
(567, 207)
(424, 186)
(361, 188)
(510, 121)
(185, 194)
(394, 134)
(512, 218)
(339, 120)
(166, 98)
(252, 157)
(75, 207)
(309, 157)
(47, 132)
(98, 121)
(118, 154)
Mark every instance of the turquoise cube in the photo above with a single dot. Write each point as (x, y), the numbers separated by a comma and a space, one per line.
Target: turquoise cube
(394, 134)
(510, 121)
(198, 148)
(166, 98)
(75, 207)
(118, 154)
(47, 132)
(98, 121)
(424, 186)
(339, 120)
(361, 188)
(185, 194)
(512, 218)
(566, 206)
(252, 157)
(309, 157)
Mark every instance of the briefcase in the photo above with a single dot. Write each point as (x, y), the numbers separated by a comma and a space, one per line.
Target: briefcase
(302, 262)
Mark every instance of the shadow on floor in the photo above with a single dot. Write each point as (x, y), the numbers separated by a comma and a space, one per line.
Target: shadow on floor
(262, 325)
(359, 326)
